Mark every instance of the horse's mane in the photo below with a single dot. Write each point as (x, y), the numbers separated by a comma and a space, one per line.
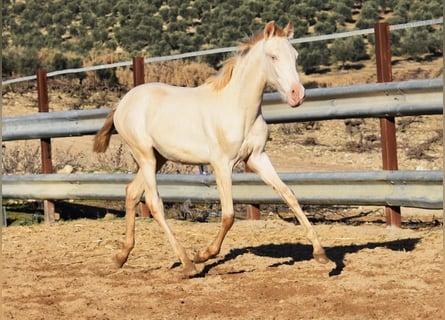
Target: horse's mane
(222, 78)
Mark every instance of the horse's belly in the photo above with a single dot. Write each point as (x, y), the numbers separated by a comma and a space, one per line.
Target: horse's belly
(181, 146)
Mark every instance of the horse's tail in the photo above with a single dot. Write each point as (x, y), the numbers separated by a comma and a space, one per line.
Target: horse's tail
(102, 138)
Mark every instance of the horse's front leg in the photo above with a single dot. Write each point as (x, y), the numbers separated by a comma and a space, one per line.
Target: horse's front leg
(260, 164)
(224, 183)
(154, 203)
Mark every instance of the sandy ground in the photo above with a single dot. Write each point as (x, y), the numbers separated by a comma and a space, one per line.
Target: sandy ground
(265, 271)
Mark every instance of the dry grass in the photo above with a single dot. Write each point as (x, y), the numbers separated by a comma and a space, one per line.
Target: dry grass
(177, 72)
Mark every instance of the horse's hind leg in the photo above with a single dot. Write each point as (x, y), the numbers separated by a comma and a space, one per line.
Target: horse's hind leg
(261, 164)
(133, 195)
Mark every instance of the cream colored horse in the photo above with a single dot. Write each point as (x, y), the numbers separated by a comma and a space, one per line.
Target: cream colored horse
(218, 123)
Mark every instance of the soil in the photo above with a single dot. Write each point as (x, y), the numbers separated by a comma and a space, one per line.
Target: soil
(265, 269)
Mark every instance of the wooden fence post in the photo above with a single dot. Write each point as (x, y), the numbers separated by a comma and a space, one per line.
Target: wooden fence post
(138, 71)
(45, 144)
(387, 124)
(138, 79)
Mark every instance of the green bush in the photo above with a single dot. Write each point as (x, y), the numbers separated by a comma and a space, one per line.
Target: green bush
(154, 28)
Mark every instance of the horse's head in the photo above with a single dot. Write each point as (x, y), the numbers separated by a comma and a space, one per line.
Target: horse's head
(280, 63)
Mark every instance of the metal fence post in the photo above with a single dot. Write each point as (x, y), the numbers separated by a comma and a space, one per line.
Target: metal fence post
(4, 220)
(252, 210)
(138, 79)
(45, 144)
(387, 124)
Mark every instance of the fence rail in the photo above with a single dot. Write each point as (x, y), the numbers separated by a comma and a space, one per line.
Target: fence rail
(359, 101)
(420, 189)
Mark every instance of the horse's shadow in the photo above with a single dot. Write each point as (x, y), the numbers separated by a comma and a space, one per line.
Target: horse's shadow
(296, 252)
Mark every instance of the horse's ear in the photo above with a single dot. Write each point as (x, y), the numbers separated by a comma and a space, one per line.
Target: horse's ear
(269, 30)
(289, 30)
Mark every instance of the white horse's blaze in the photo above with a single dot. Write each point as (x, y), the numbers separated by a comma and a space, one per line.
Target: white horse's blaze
(281, 67)
(219, 123)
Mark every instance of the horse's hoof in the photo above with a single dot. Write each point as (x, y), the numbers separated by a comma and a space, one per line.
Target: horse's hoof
(199, 258)
(119, 260)
(321, 258)
(189, 272)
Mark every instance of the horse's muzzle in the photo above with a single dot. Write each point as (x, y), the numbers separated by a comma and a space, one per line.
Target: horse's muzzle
(295, 103)
(296, 95)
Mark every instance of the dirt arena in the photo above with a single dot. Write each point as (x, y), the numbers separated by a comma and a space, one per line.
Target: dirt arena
(265, 271)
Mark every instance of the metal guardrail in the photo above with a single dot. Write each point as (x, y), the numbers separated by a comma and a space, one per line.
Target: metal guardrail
(53, 124)
(359, 101)
(421, 189)
(405, 98)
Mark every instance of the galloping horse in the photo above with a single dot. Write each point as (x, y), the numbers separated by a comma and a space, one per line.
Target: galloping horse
(218, 123)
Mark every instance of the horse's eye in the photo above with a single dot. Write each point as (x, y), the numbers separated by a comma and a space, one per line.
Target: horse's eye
(273, 57)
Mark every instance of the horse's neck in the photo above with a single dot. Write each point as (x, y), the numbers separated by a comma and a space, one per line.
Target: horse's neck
(248, 83)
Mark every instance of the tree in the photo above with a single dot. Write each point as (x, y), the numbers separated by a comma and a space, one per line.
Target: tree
(138, 33)
(401, 10)
(60, 62)
(344, 13)
(8, 65)
(435, 41)
(368, 16)
(340, 50)
(108, 76)
(348, 49)
(417, 42)
(20, 61)
(312, 55)
(304, 11)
